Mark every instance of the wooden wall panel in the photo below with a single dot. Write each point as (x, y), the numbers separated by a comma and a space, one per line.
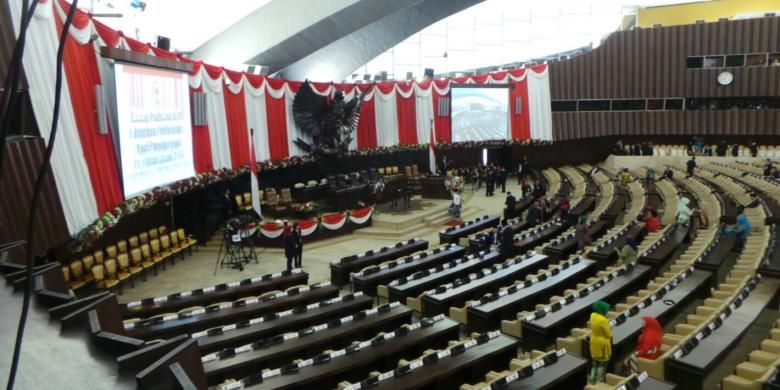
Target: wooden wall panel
(22, 161)
(651, 63)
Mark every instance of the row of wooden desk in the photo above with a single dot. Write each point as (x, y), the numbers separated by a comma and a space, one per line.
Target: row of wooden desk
(367, 283)
(433, 304)
(415, 287)
(568, 245)
(482, 241)
(607, 252)
(342, 268)
(304, 347)
(219, 293)
(455, 233)
(542, 332)
(207, 320)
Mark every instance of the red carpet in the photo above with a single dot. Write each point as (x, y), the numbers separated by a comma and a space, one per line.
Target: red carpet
(454, 222)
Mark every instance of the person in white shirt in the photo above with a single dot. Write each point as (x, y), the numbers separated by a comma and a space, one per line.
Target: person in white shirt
(456, 205)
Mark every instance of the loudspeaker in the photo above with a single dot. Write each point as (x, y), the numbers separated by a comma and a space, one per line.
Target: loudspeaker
(383, 74)
(163, 42)
(428, 73)
(199, 110)
(518, 106)
(409, 75)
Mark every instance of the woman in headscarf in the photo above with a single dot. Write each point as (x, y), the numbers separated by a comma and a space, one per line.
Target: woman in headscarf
(600, 342)
(649, 347)
(684, 214)
(628, 254)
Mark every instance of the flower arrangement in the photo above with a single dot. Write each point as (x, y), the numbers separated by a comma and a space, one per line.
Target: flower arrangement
(84, 239)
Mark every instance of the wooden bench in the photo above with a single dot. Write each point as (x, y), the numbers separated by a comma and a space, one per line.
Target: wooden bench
(342, 268)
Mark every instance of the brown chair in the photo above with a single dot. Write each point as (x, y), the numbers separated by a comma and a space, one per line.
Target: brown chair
(247, 200)
(112, 272)
(146, 256)
(144, 237)
(127, 271)
(102, 281)
(157, 256)
(274, 202)
(286, 196)
(111, 252)
(133, 241)
(175, 248)
(99, 257)
(184, 240)
(162, 229)
(153, 233)
(77, 275)
(137, 260)
(88, 261)
(66, 274)
(121, 245)
(165, 247)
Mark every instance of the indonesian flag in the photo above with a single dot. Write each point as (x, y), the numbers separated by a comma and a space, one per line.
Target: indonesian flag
(432, 150)
(255, 186)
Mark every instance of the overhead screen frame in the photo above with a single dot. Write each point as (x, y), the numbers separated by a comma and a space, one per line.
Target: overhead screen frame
(507, 86)
(132, 61)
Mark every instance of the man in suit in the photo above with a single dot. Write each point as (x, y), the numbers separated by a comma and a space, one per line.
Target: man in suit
(510, 202)
(691, 164)
(506, 239)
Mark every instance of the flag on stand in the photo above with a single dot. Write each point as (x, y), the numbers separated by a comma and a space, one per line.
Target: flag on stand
(255, 186)
(432, 151)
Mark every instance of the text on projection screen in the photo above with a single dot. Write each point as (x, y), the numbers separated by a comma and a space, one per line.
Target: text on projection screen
(155, 132)
(479, 114)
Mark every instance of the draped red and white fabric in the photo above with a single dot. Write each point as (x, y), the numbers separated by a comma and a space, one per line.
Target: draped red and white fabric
(85, 165)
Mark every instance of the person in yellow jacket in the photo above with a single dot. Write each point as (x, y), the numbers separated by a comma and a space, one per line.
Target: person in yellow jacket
(600, 342)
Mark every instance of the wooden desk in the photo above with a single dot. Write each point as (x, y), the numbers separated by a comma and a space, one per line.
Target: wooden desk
(440, 303)
(454, 234)
(277, 355)
(624, 336)
(148, 308)
(482, 241)
(367, 283)
(569, 372)
(713, 261)
(489, 315)
(340, 270)
(690, 370)
(607, 253)
(615, 207)
(414, 288)
(432, 187)
(358, 365)
(225, 316)
(541, 332)
(254, 332)
(532, 240)
(568, 246)
(452, 371)
(660, 255)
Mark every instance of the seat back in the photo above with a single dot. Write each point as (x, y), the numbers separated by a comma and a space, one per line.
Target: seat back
(180, 233)
(135, 256)
(247, 198)
(66, 273)
(123, 261)
(144, 237)
(153, 233)
(98, 272)
(155, 245)
(165, 242)
(110, 267)
(111, 251)
(286, 195)
(98, 256)
(174, 239)
(88, 261)
(133, 241)
(122, 246)
(146, 251)
(76, 269)
(162, 229)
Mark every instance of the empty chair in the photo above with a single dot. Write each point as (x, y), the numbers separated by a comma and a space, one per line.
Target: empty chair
(76, 275)
(99, 257)
(157, 256)
(186, 241)
(144, 238)
(111, 252)
(126, 270)
(102, 280)
(112, 272)
(153, 233)
(137, 260)
(286, 196)
(147, 258)
(88, 261)
(122, 246)
(175, 247)
(162, 229)
(133, 241)
(165, 246)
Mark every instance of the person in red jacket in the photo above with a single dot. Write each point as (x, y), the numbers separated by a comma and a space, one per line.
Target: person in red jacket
(652, 223)
(649, 344)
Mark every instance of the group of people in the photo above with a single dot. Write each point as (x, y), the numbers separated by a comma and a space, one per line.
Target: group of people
(639, 149)
(293, 245)
(696, 146)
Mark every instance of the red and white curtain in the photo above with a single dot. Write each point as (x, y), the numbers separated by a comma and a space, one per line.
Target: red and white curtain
(84, 162)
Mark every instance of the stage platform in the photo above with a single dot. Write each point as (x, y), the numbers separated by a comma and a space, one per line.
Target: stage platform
(400, 223)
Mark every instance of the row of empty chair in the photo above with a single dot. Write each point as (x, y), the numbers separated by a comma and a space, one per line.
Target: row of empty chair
(770, 151)
(128, 259)
(760, 366)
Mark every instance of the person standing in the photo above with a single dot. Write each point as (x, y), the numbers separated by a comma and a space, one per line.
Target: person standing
(691, 164)
(502, 179)
(684, 214)
(582, 232)
(290, 248)
(299, 245)
(506, 236)
(525, 188)
(768, 168)
(721, 149)
(510, 203)
(753, 148)
(735, 150)
(600, 342)
(534, 215)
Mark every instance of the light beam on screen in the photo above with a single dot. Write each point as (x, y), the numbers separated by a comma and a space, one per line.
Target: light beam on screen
(480, 114)
(155, 134)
